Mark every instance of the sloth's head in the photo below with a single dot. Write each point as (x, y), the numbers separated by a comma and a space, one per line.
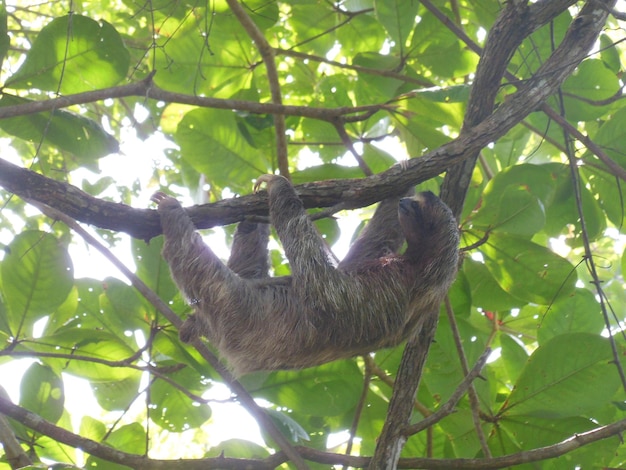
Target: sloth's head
(428, 225)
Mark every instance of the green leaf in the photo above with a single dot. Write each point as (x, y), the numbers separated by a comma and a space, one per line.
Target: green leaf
(82, 137)
(92, 429)
(609, 54)
(129, 438)
(325, 171)
(116, 394)
(209, 143)
(514, 200)
(93, 350)
(561, 378)
(52, 450)
(537, 180)
(486, 292)
(526, 270)
(238, 448)
(121, 309)
(264, 13)
(216, 65)
(513, 210)
(611, 194)
(174, 410)
(152, 268)
(85, 313)
(578, 312)
(593, 81)
(41, 391)
(398, 18)
(72, 54)
(611, 137)
(312, 20)
(373, 88)
(544, 432)
(563, 212)
(288, 426)
(332, 387)
(37, 276)
(513, 357)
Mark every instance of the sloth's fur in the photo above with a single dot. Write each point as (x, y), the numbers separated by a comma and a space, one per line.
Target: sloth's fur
(373, 299)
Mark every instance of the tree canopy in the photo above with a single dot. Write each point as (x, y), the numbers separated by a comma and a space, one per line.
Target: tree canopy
(511, 111)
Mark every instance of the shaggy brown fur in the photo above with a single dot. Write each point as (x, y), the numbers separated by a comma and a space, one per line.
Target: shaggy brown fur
(371, 300)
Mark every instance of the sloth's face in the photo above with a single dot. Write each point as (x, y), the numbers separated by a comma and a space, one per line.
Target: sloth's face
(425, 216)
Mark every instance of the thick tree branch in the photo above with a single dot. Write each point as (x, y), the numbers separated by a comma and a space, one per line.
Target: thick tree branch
(515, 23)
(392, 439)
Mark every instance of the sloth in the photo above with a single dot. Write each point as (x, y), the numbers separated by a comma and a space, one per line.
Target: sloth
(374, 298)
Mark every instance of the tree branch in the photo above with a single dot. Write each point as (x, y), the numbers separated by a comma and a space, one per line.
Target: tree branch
(13, 452)
(449, 406)
(267, 53)
(147, 89)
(392, 439)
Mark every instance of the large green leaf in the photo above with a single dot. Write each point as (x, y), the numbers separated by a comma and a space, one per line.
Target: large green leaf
(562, 378)
(79, 135)
(332, 387)
(486, 292)
(398, 18)
(543, 432)
(116, 394)
(129, 438)
(99, 356)
(526, 270)
(238, 448)
(121, 309)
(577, 312)
(564, 211)
(174, 410)
(592, 81)
(373, 88)
(71, 54)
(37, 276)
(288, 426)
(216, 64)
(152, 268)
(515, 199)
(208, 142)
(513, 210)
(41, 391)
(611, 137)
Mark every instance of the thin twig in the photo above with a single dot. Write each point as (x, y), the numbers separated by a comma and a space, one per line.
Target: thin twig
(449, 406)
(591, 265)
(358, 410)
(473, 397)
(345, 138)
